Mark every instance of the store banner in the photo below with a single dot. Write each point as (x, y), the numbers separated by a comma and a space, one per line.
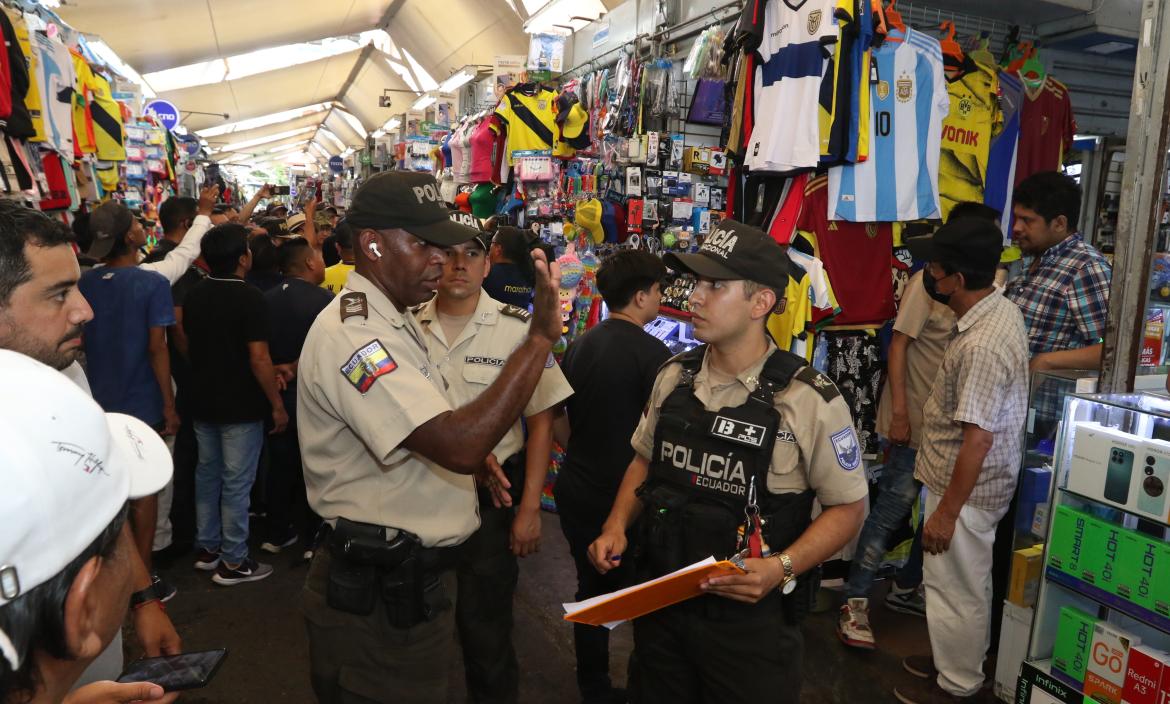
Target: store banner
(507, 69)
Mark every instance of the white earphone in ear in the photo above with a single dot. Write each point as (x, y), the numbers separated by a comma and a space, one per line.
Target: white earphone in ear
(374, 249)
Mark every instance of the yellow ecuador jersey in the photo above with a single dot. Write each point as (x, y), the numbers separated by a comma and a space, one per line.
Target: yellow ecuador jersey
(531, 121)
(968, 129)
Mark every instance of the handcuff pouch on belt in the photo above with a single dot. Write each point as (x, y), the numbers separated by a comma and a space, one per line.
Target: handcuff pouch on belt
(705, 463)
(365, 566)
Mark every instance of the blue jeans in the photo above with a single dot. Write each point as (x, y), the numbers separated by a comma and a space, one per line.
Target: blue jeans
(898, 492)
(223, 482)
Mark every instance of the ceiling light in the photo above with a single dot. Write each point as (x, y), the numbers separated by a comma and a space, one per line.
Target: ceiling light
(263, 120)
(333, 138)
(458, 79)
(392, 124)
(558, 15)
(234, 146)
(288, 147)
(378, 134)
(249, 64)
(110, 58)
(424, 102)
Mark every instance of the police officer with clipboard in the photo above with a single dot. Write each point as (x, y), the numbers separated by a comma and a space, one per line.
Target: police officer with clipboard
(738, 440)
(388, 456)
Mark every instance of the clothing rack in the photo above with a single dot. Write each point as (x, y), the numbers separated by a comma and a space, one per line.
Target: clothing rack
(927, 19)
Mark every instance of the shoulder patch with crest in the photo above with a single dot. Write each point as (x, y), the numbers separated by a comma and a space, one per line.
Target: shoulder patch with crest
(367, 364)
(354, 305)
(820, 383)
(516, 312)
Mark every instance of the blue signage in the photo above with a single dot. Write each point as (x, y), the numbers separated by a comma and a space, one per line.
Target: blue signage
(336, 164)
(165, 111)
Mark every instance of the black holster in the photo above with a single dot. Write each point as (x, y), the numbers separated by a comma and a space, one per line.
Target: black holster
(365, 567)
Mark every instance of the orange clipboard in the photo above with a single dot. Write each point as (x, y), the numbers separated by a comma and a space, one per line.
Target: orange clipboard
(641, 599)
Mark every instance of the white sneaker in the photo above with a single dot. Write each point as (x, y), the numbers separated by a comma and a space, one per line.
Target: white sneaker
(853, 624)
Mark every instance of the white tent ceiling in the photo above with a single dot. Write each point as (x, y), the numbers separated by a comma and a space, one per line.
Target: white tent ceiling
(157, 35)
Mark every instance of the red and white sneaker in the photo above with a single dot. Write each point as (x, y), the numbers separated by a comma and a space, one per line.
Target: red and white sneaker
(853, 624)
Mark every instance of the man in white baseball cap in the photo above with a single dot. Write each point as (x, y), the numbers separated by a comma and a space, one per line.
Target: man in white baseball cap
(68, 471)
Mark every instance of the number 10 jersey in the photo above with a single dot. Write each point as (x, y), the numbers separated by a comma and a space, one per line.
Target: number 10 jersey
(909, 100)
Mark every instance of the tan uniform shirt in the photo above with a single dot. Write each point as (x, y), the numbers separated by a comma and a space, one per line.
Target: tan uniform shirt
(472, 362)
(365, 385)
(816, 444)
(930, 325)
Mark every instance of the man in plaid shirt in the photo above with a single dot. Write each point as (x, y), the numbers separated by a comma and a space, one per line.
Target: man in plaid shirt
(1064, 293)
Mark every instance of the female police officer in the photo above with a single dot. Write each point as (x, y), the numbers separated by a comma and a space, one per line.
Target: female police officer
(738, 439)
(388, 456)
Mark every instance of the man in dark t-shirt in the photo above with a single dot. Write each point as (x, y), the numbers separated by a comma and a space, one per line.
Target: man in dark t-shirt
(234, 388)
(292, 308)
(612, 370)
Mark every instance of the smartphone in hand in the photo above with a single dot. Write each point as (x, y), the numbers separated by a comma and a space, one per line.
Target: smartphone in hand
(175, 673)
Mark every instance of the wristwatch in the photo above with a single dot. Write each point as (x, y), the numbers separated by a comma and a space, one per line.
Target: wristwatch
(141, 597)
(788, 584)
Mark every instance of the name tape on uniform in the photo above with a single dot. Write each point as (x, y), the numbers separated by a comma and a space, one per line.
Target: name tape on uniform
(739, 431)
(489, 361)
(367, 364)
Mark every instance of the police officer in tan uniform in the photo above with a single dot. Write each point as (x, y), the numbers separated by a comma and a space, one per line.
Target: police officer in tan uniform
(738, 441)
(389, 457)
(469, 335)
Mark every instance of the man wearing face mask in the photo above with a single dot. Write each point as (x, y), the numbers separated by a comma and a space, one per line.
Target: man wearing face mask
(388, 455)
(969, 455)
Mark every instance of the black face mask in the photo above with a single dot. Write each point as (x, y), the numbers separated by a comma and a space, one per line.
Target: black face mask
(931, 285)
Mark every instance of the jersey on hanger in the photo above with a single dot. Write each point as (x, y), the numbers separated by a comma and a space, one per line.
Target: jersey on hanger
(968, 129)
(1047, 127)
(856, 257)
(1001, 163)
(794, 53)
(531, 122)
(908, 102)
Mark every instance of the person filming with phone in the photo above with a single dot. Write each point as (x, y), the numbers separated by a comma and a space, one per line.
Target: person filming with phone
(69, 472)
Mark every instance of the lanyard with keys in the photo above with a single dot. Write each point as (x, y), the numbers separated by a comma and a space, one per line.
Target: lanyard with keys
(751, 534)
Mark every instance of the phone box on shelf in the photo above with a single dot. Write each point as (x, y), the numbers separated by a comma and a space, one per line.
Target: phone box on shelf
(1027, 566)
(1037, 686)
(1066, 546)
(1160, 583)
(1138, 561)
(1109, 656)
(1100, 566)
(1074, 635)
(1034, 483)
(1147, 677)
(1151, 481)
(1104, 462)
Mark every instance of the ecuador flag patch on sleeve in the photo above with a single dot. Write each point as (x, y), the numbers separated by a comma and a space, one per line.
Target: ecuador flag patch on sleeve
(367, 364)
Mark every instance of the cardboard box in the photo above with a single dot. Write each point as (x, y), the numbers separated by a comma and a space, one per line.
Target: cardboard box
(1013, 648)
(1151, 481)
(1027, 566)
(1138, 555)
(1066, 545)
(1147, 677)
(1038, 686)
(1074, 636)
(1100, 565)
(1104, 464)
(1108, 660)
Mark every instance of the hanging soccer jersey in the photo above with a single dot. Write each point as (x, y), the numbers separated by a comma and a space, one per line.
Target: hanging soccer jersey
(32, 98)
(1047, 127)
(55, 76)
(908, 101)
(1001, 163)
(974, 119)
(856, 257)
(797, 43)
(97, 119)
(529, 114)
(842, 87)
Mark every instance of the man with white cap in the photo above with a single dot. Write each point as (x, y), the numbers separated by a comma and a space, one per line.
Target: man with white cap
(66, 575)
(42, 314)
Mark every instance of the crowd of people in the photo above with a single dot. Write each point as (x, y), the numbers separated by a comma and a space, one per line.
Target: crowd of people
(311, 369)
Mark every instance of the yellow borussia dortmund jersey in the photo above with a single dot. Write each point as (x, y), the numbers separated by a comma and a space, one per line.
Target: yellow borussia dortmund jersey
(968, 129)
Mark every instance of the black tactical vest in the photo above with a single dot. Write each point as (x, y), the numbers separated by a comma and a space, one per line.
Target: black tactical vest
(702, 467)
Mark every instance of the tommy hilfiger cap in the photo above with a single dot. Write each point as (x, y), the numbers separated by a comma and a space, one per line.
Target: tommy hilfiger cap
(410, 201)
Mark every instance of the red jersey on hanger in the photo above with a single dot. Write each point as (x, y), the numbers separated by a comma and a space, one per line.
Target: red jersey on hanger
(1047, 127)
(856, 256)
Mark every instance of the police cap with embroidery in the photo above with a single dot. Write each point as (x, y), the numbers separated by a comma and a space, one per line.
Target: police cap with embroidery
(735, 251)
(483, 239)
(410, 201)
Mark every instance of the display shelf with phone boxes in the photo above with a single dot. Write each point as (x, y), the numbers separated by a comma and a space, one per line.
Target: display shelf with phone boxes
(1101, 630)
